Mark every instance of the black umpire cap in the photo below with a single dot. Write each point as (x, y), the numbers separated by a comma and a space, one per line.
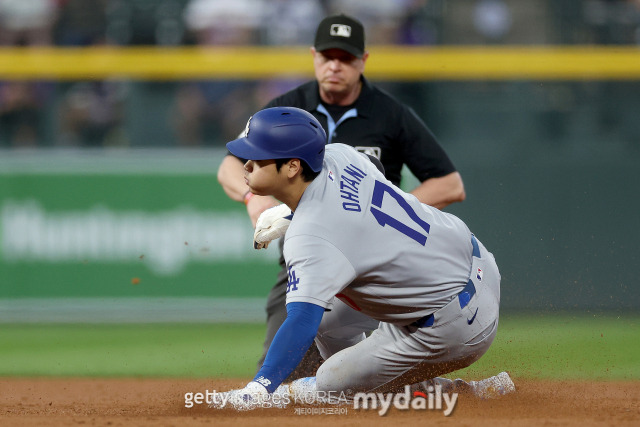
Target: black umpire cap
(340, 32)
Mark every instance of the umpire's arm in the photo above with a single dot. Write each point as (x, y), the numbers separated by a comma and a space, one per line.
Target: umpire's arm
(442, 191)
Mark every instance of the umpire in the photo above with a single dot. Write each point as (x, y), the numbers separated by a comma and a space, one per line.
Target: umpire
(353, 112)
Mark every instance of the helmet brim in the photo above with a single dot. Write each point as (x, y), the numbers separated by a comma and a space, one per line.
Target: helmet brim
(244, 149)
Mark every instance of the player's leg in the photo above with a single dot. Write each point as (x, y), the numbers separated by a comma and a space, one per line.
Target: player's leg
(393, 357)
(306, 390)
(342, 327)
(487, 388)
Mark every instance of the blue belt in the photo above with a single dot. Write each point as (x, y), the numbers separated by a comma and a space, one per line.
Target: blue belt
(464, 296)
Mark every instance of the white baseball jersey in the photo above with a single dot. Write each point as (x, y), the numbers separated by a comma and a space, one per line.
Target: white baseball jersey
(356, 236)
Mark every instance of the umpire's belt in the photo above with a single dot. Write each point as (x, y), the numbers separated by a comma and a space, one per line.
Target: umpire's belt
(463, 297)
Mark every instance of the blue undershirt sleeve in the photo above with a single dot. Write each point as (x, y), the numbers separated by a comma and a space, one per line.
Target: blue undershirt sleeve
(290, 343)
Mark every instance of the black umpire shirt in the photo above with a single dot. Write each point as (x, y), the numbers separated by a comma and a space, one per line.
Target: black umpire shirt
(376, 124)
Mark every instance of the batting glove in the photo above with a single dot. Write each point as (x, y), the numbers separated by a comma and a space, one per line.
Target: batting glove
(272, 224)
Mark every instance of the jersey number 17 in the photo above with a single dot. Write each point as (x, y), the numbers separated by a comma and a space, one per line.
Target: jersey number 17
(385, 219)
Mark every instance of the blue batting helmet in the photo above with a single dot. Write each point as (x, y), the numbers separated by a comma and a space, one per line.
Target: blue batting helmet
(282, 133)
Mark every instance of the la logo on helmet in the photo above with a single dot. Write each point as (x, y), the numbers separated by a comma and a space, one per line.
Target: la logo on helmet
(245, 132)
(340, 30)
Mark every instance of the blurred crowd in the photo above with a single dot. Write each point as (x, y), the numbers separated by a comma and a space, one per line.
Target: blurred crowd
(97, 113)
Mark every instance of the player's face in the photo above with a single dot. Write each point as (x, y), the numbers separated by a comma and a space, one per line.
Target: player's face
(262, 177)
(338, 73)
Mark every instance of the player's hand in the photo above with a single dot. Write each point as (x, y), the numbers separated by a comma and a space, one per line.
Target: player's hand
(252, 396)
(271, 224)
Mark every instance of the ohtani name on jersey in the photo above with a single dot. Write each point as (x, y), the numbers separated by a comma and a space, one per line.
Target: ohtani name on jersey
(350, 186)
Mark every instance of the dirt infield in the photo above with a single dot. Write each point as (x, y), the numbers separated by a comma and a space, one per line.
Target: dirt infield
(152, 402)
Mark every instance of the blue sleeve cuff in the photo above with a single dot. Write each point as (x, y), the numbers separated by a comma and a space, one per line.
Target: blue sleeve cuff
(290, 343)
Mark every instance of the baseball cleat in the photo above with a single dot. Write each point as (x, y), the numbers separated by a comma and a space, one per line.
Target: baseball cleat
(493, 387)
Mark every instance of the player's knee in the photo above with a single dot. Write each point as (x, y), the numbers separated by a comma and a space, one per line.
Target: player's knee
(323, 379)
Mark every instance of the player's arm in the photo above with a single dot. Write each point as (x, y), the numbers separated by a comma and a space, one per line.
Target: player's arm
(290, 343)
(317, 271)
(231, 178)
(442, 191)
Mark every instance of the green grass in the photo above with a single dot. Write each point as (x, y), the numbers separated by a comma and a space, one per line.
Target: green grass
(158, 350)
(603, 347)
(585, 346)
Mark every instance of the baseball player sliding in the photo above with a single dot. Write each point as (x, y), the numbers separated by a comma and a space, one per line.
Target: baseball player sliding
(358, 247)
